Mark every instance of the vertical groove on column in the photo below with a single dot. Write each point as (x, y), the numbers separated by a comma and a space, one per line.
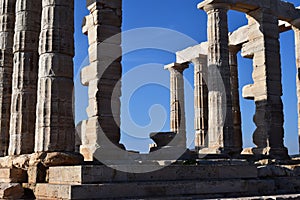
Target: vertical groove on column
(177, 115)
(55, 121)
(220, 105)
(7, 23)
(201, 102)
(24, 87)
(236, 111)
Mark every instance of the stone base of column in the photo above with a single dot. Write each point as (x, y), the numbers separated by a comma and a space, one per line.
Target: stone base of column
(232, 152)
(275, 153)
(96, 137)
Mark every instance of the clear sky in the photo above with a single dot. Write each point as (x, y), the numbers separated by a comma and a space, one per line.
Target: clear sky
(153, 31)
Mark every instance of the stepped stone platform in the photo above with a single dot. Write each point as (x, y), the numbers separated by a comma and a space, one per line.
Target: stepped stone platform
(203, 179)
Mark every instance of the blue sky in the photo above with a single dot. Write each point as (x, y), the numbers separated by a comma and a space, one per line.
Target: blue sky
(177, 26)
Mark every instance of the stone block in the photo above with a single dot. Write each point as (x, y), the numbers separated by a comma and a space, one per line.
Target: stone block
(29, 20)
(104, 33)
(7, 6)
(154, 189)
(37, 173)
(58, 17)
(104, 52)
(57, 41)
(115, 4)
(6, 41)
(103, 174)
(12, 175)
(26, 41)
(11, 191)
(54, 65)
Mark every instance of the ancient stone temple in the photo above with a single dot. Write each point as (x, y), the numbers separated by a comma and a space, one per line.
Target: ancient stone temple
(37, 138)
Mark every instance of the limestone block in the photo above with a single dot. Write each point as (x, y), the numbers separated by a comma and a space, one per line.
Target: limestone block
(37, 174)
(102, 174)
(22, 17)
(25, 41)
(55, 115)
(55, 65)
(247, 92)
(162, 189)
(274, 171)
(11, 191)
(7, 6)
(56, 41)
(104, 33)
(59, 15)
(12, 175)
(27, 6)
(115, 4)
(6, 41)
(105, 53)
(100, 69)
(6, 59)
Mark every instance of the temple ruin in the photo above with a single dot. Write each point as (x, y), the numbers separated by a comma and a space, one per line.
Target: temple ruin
(37, 139)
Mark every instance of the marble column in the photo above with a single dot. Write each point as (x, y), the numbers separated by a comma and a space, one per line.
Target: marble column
(236, 112)
(200, 101)
(25, 73)
(55, 129)
(267, 88)
(297, 44)
(7, 24)
(103, 78)
(220, 127)
(177, 115)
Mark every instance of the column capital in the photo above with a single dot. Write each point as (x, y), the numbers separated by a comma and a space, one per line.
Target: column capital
(180, 67)
(201, 59)
(210, 7)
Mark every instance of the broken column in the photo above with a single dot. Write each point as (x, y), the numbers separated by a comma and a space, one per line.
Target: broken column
(236, 112)
(54, 113)
(7, 21)
(200, 101)
(263, 47)
(102, 76)
(24, 87)
(177, 115)
(297, 44)
(220, 128)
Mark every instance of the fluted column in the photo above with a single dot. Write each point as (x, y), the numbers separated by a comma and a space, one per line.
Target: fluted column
(220, 128)
(55, 123)
(236, 112)
(267, 88)
(177, 115)
(103, 78)
(297, 45)
(24, 88)
(7, 23)
(200, 101)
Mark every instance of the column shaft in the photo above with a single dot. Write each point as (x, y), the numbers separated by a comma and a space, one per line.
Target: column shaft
(7, 23)
(220, 129)
(177, 115)
(24, 87)
(103, 77)
(55, 122)
(297, 44)
(200, 102)
(267, 88)
(236, 112)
